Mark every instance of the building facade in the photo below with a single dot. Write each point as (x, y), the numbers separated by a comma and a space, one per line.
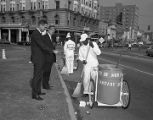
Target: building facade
(18, 18)
(103, 26)
(127, 15)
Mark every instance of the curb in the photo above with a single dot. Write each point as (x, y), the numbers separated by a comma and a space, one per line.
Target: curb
(68, 98)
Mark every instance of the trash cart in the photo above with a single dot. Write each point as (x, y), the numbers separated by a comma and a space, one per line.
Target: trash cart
(110, 88)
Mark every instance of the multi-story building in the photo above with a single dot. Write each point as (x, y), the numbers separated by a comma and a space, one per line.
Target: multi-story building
(18, 18)
(103, 28)
(126, 14)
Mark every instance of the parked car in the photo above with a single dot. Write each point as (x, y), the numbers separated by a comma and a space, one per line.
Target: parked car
(140, 43)
(149, 51)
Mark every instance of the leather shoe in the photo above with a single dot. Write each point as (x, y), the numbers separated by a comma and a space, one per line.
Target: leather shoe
(85, 95)
(37, 97)
(47, 88)
(41, 93)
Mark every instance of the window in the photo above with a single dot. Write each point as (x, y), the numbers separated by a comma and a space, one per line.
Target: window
(45, 4)
(57, 20)
(33, 5)
(45, 17)
(22, 19)
(22, 5)
(3, 7)
(68, 22)
(3, 20)
(90, 3)
(33, 18)
(39, 5)
(12, 5)
(13, 19)
(74, 21)
(18, 7)
(69, 4)
(57, 4)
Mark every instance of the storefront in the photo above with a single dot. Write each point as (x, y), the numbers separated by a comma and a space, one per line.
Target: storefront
(14, 33)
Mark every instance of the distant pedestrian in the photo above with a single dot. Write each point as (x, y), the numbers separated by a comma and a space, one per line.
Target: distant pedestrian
(129, 46)
(69, 48)
(38, 51)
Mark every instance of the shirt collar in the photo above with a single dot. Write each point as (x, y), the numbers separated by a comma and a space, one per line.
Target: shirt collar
(38, 30)
(49, 36)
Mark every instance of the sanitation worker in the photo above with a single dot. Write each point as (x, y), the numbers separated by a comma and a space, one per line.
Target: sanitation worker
(69, 48)
(88, 55)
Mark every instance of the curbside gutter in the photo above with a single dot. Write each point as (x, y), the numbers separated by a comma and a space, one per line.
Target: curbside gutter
(68, 98)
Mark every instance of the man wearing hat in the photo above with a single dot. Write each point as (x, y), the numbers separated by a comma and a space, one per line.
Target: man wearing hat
(69, 48)
(88, 55)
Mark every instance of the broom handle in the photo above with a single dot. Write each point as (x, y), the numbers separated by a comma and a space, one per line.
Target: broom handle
(85, 60)
(87, 53)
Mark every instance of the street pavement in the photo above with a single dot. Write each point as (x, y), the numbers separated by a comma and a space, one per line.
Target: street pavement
(15, 92)
(86, 113)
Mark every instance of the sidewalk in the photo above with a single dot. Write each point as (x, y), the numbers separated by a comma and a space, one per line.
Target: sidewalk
(15, 92)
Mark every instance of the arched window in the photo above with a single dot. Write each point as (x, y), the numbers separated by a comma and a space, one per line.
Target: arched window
(3, 19)
(22, 19)
(57, 20)
(45, 17)
(74, 21)
(33, 18)
(12, 19)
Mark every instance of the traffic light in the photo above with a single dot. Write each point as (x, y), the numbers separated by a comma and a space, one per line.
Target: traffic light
(119, 18)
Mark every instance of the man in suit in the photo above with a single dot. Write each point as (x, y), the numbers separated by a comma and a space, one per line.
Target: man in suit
(38, 51)
(49, 58)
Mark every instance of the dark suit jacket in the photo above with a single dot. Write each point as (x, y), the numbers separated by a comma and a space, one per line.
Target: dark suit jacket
(48, 42)
(38, 48)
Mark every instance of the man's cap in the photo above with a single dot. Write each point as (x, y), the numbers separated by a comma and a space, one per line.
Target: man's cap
(83, 37)
(68, 35)
(86, 29)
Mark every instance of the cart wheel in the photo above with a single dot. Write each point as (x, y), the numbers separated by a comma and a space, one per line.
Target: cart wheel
(125, 95)
(90, 104)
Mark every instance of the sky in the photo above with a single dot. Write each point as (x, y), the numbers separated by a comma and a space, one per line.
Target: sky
(145, 10)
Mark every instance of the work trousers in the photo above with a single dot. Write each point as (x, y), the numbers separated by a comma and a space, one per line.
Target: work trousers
(70, 63)
(89, 73)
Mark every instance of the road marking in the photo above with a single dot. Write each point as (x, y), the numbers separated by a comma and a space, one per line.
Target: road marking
(129, 56)
(127, 66)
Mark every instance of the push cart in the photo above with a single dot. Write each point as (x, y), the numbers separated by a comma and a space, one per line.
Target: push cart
(109, 87)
